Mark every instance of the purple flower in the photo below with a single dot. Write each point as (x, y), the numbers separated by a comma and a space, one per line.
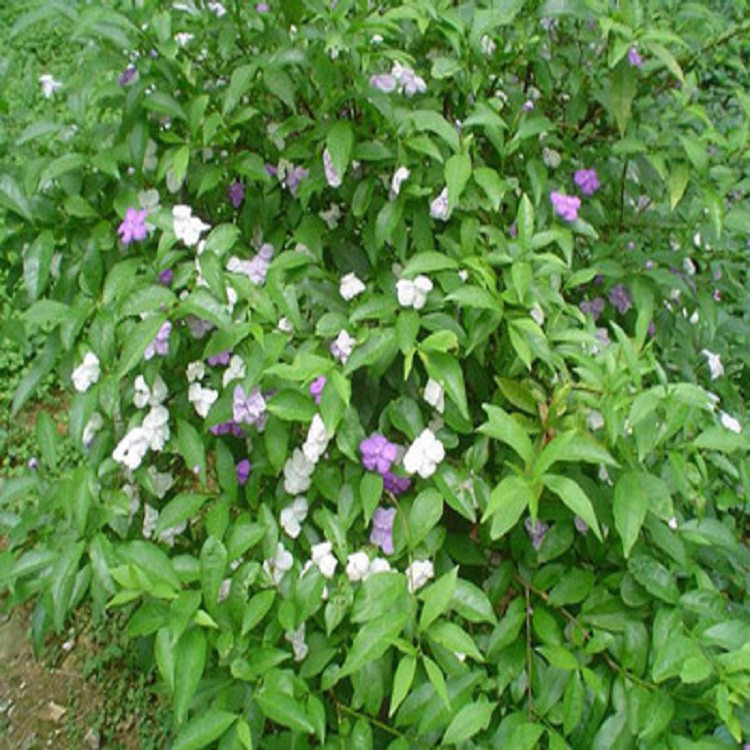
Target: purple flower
(649, 265)
(594, 307)
(581, 526)
(128, 76)
(333, 178)
(634, 58)
(166, 277)
(271, 170)
(226, 428)
(316, 388)
(651, 329)
(528, 105)
(219, 359)
(384, 82)
(620, 298)
(566, 206)
(236, 193)
(249, 407)
(587, 181)
(133, 227)
(262, 7)
(377, 453)
(536, 531)
(382, 529)
(33, 464)
(243, 472)
(294, 177)
(160, 345)
(395, 484)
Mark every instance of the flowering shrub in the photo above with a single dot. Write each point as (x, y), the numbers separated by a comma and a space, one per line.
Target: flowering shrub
(406, 358)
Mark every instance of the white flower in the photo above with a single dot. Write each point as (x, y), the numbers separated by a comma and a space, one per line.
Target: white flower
(285, 325)
(730, 423)
(93, 426)
(418, 573)
(603, 474)
(317, 440)
(357, 566)
(145, 396)
(202, 398)
(351, 286)
(231, 298)
(439, 208)
(551, 158)
(688, 266)
(216, 7)
(235, 371)
(399, 177)
(488, 46)
(183, 38)
(297, 472)
(343, 346)
(150, 517)
(695, 317)
(424, 454)
(280, 563)
(49, 85)
(87, 373)
(672, 523)
(697, 239)
(297, 639)
(187, 227)
(409, 82)
(595, 421)
(537, 314)
(323, 558)
(195, 371)
(434, 395)
(130, 451)
(413, 293)
(714, 364)
(156, 427)
(224, 589)
(377, 565)
(293, 516)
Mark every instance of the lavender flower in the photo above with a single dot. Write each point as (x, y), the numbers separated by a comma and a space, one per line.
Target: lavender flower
(128, 76)
(581, 526)
(528, 105)
(249, 407)
(236, 193)
(271, 170)
(166, 277)
(133, 227)
(634, 58)
(219, 359)
(262, 7)
(382, 529)
(594, 307)
(536, 531)
(566, 206)
(587, 181)
(395, 484)
(227, 428)
(620, 298)
(243, 472)
(377, 453)
(384, 82)
(160, 345)
(316, 388)
(333, 178)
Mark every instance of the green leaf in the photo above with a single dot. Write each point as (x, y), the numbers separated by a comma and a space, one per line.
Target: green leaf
(191, 448)
(379, 595)
(181, 508)
(454, 638)
(280, 85)
(189, 661)
(284, 710)
(575, 498)
(425, 513)
(492, 184)
(340, 142)
(292, 406)
(457, 174)
(623, 85)
(679, 176)
(435, 675)
(370, 492)
(402, 681)
(574, 586)
(428, 262)
(507, 503)
(472, 603)
(36, 264)
(559, 657)
(525, 222)
(46, 436)
(654, 577)
(203, 729)
(437, 598)
(373, 640)
(164, 104)
(13, 198)
(138, 338)
(446, 370)
(629, 509)
(213, 567)
(573, 701)
(387, 221)
(470, 720)
(502, 426)
(256, 609)
(427, 119)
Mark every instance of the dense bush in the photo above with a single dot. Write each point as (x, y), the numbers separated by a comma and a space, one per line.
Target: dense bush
(407, 351)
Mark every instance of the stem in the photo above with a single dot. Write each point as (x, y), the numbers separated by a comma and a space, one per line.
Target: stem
(529, 691)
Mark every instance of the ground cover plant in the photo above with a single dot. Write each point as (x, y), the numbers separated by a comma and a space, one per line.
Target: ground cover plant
(406, 354)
